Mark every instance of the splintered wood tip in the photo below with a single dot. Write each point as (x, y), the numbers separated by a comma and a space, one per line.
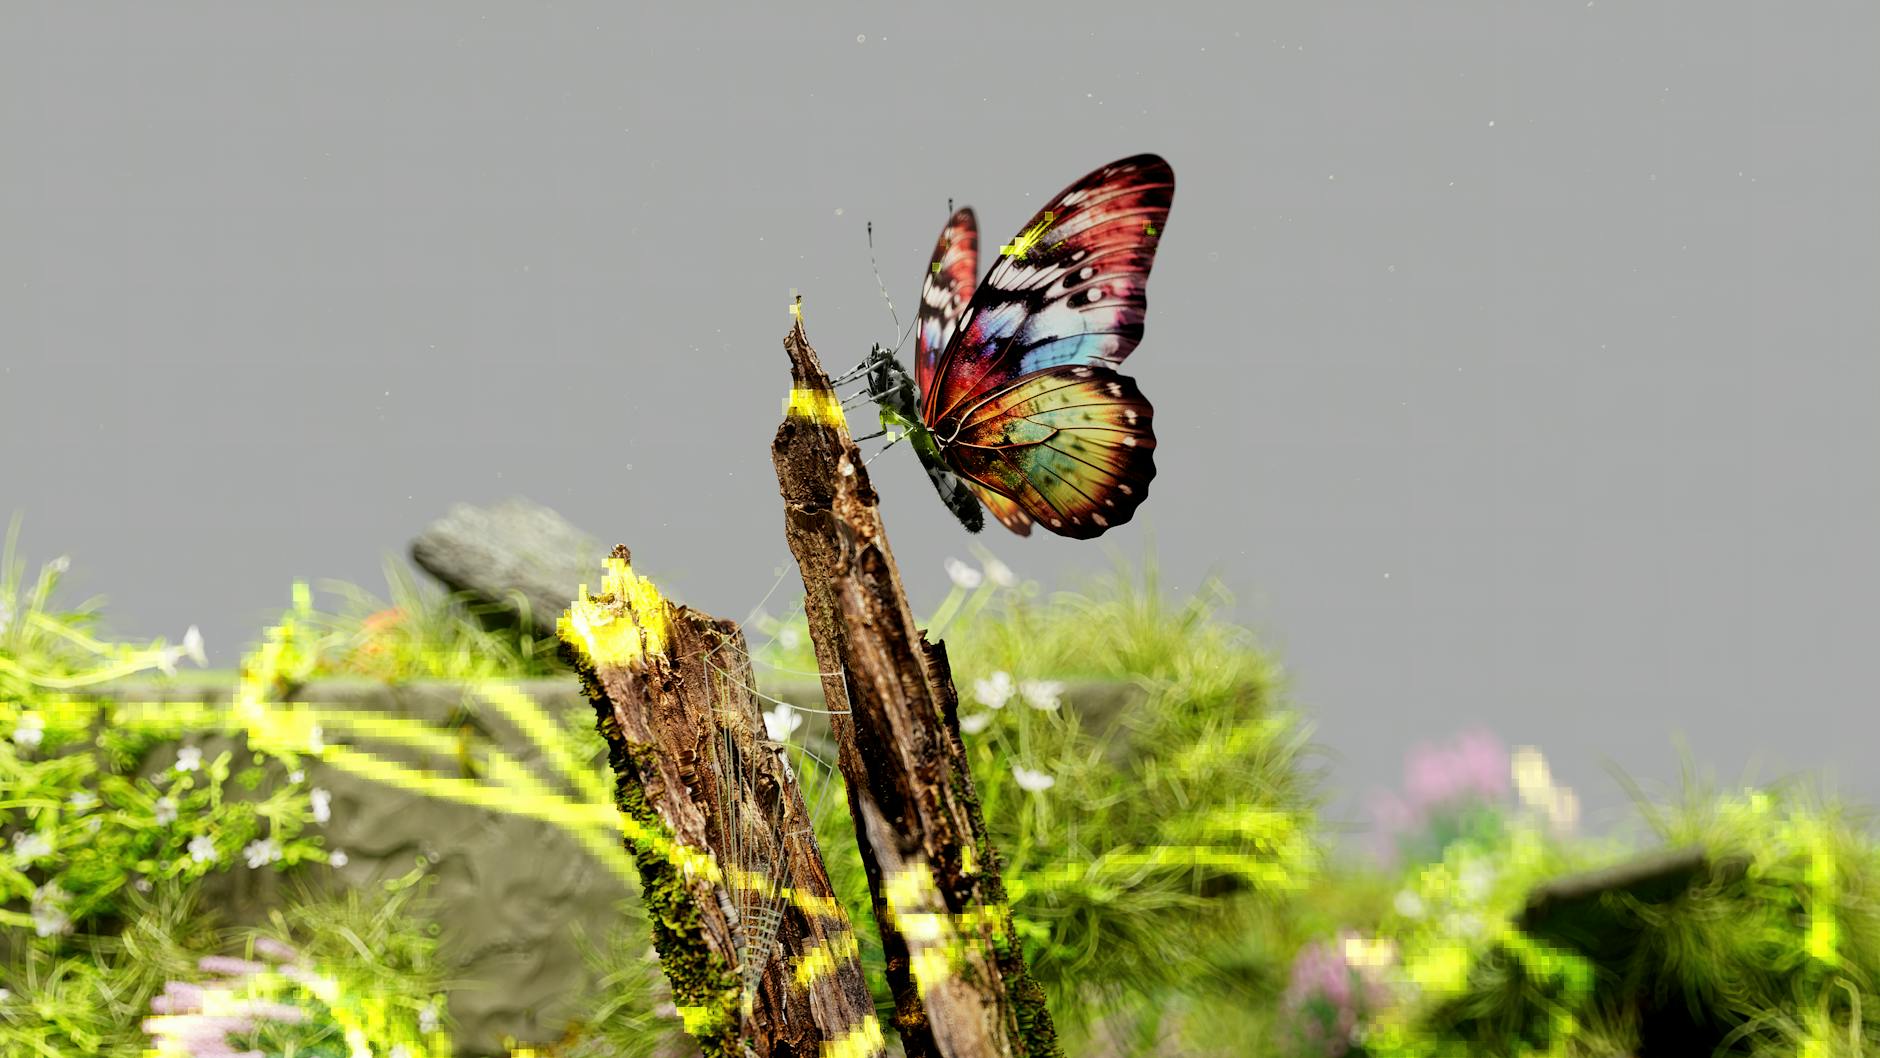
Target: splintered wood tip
(805, 367)
(620, 552)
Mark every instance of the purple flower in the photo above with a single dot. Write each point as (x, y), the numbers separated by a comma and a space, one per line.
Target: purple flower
(1328, 996)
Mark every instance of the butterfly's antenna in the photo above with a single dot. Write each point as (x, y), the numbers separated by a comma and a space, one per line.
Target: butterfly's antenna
(949, 209)
(902, 340)
(883, 286)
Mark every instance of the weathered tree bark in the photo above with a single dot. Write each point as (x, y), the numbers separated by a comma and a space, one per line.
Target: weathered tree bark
(718, 826)
(953, 959)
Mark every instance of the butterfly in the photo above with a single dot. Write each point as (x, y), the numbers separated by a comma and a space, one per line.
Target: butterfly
(1015, 402)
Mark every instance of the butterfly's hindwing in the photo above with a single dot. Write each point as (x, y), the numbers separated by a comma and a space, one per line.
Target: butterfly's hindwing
(1071, 447)
(1003, 507)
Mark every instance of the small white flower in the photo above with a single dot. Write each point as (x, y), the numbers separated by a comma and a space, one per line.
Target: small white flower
(779, 722)
(202, 850)
(1408, 904)
(338, 858)
(30, 731)
(399, 1050)
(1532, 780)
(962, 574)
(316, 740)
(50, 920)
(788, 638)
(83, 801)
(1564, 810)
(28, 847)
(5, 994)
(322, 804)
(1369, 952)
(994, 691)
(165, 810)
(189, 758)
(262, 852)
(166, 660)
(1463, 923)
(1041, 694)
(427, 1018)
(1034, 781)
(296, 775)
(60, 565)
(1000, 573)
(974, 723)
(1474, 879)
(192, 646)
(142, 885)
(49, 915)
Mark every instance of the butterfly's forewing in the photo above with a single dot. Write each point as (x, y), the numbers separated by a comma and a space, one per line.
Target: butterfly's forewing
(945, 292)
(1071, 289)
(1071, 447)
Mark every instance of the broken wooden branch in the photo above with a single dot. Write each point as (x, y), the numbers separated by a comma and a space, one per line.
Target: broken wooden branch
(761, 957)
(954, 962)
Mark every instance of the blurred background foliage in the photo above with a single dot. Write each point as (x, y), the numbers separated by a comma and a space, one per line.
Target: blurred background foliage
(1149, 787)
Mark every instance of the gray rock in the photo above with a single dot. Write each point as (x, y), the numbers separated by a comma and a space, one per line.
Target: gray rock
(513, 548)
(512, 892)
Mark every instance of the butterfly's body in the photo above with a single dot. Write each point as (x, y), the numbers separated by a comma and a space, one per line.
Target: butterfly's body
(1015, 402)
(893, 390)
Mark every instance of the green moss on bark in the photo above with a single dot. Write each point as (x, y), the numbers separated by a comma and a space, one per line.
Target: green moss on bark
(704, 986)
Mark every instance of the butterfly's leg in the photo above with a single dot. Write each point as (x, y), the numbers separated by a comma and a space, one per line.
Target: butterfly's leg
(871, 436)
(853, 373)
(898, 438)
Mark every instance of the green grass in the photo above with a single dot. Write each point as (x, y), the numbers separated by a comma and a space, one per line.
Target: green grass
(1164, 882)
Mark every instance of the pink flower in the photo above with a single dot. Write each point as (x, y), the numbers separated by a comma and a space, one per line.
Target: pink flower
(183, 995)
(225, 964)
(1476, 766)
(1444, 784)
(1328, 997)
(274, 949)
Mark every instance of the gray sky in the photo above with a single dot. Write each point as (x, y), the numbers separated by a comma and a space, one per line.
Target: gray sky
(1513, 363)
